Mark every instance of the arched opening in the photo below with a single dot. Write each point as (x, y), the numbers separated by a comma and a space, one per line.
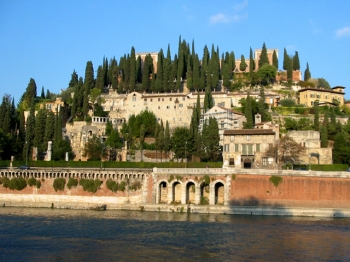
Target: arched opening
(219, 193)
(176, 192)
(204, 199)
(190, 193)
(247, 163)
(163, 192)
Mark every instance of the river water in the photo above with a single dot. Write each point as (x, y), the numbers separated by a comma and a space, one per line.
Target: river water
(35, 234)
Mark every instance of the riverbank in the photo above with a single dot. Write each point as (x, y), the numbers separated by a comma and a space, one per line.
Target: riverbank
(134, 204)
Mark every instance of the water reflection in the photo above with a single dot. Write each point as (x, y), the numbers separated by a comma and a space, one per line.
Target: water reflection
(28, 234)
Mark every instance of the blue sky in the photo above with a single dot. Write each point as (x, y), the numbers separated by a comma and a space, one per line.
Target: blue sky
(47, 40)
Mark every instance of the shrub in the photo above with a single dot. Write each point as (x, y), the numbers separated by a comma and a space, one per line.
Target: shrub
(121, 186)
(38, 184)
(17, 183)
(204, 200)
(171, 178)
(59, 183)
(206, 179)
(5, 182)
(287, 102)
(233, 176)
(90, 185)
(178, 178)
(32, 181)
(136, 185)
(112, 185)
(72, 182)
(276, 180)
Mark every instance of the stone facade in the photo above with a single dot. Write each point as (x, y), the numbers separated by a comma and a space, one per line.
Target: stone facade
(313, 154)
(308, 96)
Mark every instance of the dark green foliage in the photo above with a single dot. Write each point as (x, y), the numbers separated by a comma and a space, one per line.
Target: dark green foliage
(90, 185)
(72, 182)
(324, 137)
(178, 140)
(39, 130)
(5, 181)
(122, 186)
(17, 183)
(251, 62)
(243, 64)
(262, 106)
(248, 113)
(276, 180)
(210, 140)
(307, 73)
(136, 185)
(267, 74)
(38, 184)
(297, 124)
(112, 185)
(333, 167)
(208, 99)
(317, 118)
(206, 179)
(31, 181)
(287, 102)
(93, 149)
(341, 148)
(296, 62)
(58, 184)
(132, 70)
(29, 133)
(323, 83)
(263, 60)
(275, 59)
(285, 59)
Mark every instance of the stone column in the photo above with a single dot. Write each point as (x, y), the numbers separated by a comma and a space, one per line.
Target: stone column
(211, 194)
(197, 196)
(170, 193)
(183, 193)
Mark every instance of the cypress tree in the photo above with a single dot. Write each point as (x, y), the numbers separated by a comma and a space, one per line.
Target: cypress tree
(226, 76)
(173, 75)
(261, 105)
(100, 78)
(275, 59)
(251, 62)
(208, 99)
(167, 80)
(189, 76)
(307, 74)
(232, 64)
(146, 72)
(316, 117)
(167, 137)
(113, 73)
(289, 64)
(243, 65)
(285, 59)
(296, 62)
(74, 79)
(42, 93)
(132, 70)
(105, 69)
(196, 73)
(29, 131)
(39, 130)
(138, 70)
(89, 83)
(159, 77)
(249, 124)
(263, 56)
(126, 74)
(49, 127)
(324, 137)
(180, 69)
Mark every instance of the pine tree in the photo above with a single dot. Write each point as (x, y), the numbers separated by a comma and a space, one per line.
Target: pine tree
(307, 74)
(263, 56)
(296, 62)
(275, 59)
(249, 124)
(243, 65)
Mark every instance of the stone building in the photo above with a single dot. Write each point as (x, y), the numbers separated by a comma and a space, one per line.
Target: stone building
(313, 154)
(308, 96)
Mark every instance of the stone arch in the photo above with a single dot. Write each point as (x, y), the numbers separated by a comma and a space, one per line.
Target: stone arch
(163, 192)
(219, 192)
(191, 188)
(176, 188)
(204, 193)
(247, 163)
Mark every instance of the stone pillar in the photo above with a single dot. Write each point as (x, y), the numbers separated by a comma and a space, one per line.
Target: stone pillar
(197, 196)
(125, 152)
(12, 159)
(211, 194)
(49, 151)
(183, 193)
(67, 156)
(170, 193)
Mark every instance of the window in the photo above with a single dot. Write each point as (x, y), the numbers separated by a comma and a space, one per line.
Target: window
(162, 99)
(248, 137)
(145, 99)
(134, 98)
(222, 125)
(226, 148)
(232, 138)
(151, 99)
(158, 107)
(257, 147)
(232, 162)
(264, 161)
(236, 148)
(167, 107)
(170, 99)
(180, 105)
(158, 99)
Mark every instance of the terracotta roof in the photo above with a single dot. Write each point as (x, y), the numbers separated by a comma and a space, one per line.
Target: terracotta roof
(249, 132)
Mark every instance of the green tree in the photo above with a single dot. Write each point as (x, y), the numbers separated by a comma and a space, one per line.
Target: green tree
(324, 137)
(93, 149)
(317, 117)
(307, 74)
(39, 130)
(267, 74)
(100, 81)
(323, 83)
(251, 63)
(285, 59)
(275, 59)
(208, 99)
(296, 62)
(49, 127)
(249, 124)
(262, 106)
(242, 65)
(178, 141)
(263, 59)
(211, 139)
(29, 133)
(341, 148)
(132, 70)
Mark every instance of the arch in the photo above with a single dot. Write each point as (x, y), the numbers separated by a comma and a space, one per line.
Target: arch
(247, 163)
(176, 188)
(204, 193)
(190, 192)
(163, 192)
(219, 191)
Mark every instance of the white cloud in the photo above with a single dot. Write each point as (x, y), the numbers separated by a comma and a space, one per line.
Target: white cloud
(343, 32)
(230, 18)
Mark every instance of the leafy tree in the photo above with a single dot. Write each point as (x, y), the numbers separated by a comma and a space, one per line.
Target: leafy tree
(208, 99)
(211, 138)
(39, 130)
(49, 127)
(287, 102)
(285, 150)
(267, 74)
(262, 106)
(93, 149)
(263, 59)
(96, 98)
(341, 148)
(242, 65)
(60, 151)
(323, 83)
(178, 141)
